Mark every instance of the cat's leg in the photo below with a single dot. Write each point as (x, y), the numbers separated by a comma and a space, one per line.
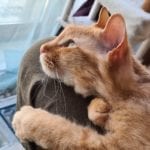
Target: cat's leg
(98, 111)
(57, 133)
(53, 131)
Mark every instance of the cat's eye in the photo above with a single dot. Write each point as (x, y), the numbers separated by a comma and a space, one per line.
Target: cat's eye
(69, 43)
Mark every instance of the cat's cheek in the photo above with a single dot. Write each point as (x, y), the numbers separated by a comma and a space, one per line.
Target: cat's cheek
(45, 69)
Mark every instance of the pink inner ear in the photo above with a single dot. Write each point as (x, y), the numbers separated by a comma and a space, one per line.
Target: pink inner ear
(115, 40)
(114, 32)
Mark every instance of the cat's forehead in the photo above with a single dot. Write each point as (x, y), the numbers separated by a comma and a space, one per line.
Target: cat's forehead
(86, 37)
(79, 31)
(83, 29)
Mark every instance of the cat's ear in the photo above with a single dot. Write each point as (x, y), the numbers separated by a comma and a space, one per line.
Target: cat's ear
(114, 37)
(118, 55)
(103, 18)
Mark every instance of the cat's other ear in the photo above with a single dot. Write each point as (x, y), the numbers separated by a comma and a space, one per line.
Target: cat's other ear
(103, 18)
(114, 37)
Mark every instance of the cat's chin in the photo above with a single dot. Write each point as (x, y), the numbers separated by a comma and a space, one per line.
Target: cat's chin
(45, 68)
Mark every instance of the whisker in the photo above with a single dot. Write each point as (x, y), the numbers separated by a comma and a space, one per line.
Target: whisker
(63, 95)
(45, 86)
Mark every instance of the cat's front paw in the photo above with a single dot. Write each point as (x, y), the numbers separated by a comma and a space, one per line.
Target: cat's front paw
(98, 111)
(22, 123)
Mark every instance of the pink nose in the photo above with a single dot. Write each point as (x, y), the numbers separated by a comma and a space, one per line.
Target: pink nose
(44, 49)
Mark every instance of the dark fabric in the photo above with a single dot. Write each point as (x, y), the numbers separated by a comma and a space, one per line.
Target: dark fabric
(36, 89)
(146, 57)
(84, 9)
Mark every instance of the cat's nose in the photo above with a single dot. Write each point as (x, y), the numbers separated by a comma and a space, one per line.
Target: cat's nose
(44, 49)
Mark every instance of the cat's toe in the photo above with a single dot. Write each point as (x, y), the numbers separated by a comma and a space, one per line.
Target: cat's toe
(17, 125)
(20, 123)
(98, 118)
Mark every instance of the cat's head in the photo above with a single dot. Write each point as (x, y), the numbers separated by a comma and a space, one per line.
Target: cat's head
(92, 58)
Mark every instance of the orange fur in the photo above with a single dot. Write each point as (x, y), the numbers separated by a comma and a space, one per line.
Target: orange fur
(98, 62)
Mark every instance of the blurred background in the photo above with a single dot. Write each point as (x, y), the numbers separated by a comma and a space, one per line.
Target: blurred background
(22, 22)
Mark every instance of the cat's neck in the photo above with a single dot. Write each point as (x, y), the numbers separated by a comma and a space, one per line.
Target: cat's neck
(139, 87)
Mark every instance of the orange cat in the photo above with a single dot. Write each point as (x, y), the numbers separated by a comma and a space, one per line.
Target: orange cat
(95, 60)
